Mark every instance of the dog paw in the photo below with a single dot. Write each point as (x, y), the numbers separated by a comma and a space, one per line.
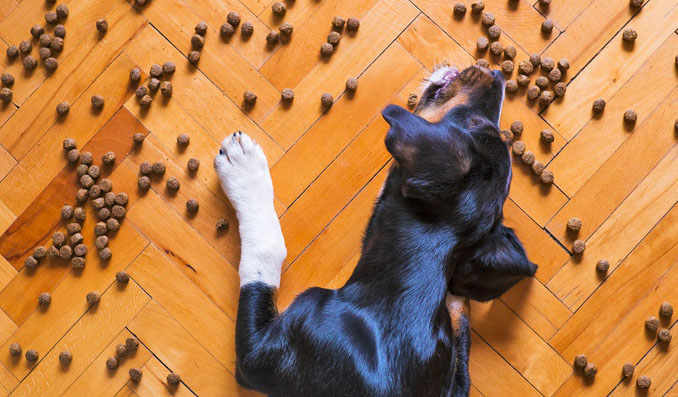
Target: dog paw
(243, 172)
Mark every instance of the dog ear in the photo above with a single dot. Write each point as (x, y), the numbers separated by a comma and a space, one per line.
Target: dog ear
(400, 139)
(496, 264)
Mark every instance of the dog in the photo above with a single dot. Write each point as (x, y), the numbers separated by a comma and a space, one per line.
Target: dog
(394, 328)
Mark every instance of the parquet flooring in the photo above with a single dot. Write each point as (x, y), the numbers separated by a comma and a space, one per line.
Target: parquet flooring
(327, 167)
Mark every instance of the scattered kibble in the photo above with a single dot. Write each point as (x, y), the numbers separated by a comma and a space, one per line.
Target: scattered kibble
(122, 277)
(272, 37)
(352, 24)
(37, 31)
(158, 168)
(233, 18)
(86, 158)
(66, 212)
(79, 214)
(630, 116)
(105, 254)
(286, 30)
(32, 355)
(518, 148)
(412, 100)
(537, 167)
(507, 66)
(77, 238)
(78, 262)
(517, 127)
(86, 181)
(560, 89)
(555, 75)
(118, 211)
(525, 67)
(510, 52)
(144, 183)
(29, 62)
(173, 379)
(636, 3)
(578, 247)
(65, 252)
(278, 8)
(487, 19)
(135, 374)
(108, 158)
(664, 335)
(63, 108)
(630, 35)
(65, 357)
(496, 48)
(192, 205)
(73, 156)
(197, 41)
(183, 140)
(326, 99)
(44, 53)
(222, 225)
(201, 28)
(60, 31)
(246, 29)
(39, 252)
(194, 57)
(31, 262)
(169, 67)
(546, 177)
(101, 242)
(333, 38)
(57, 44)
(15, 349)
(12, 51)
(80, 250)
(459, 8)
(493, 32)
(627, 370)
(53, 251)
(666, 310)
(121, 350)
(482, 44)
(135, 75)
(193, 164)
(598, 105)
(102, 25)
(172, 183)
(141, 91)
(590, 370)
(250, 97)
(7, 79)
(62, 11)
(547, 26)
(545, 98)
(97, 101)
(338, 22)
(121, 198)
(483, 63)
(477, 7)
(112, 363)
(574, 224)
(643, 382)
(580, 361)
(45, 298)
(73, 228)
(326, 49)
(113, 225)
(104, 214)
(511, 86)
(603, 265)
(542, 82)
(6, 95)
(132, 343)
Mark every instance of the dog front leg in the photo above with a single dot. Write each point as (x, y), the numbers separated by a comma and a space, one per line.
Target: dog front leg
(459, 310)
(246, 180)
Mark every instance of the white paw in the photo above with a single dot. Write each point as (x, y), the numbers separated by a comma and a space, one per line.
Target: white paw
(243, 172)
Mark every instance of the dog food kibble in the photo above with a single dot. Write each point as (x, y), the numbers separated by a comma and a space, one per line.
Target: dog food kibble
(132, 343)
(121, 350)
(630, 35)
(460, 8)
(44, 299)
(246, 29)
(144, 183)
(578, 247)
(5, 95)
(39, 252)
(145, 168)
(537, 167)
(338, 22)
(100, 229)
(412, 100)
(58, 239)
(545, 2)
(156, 70)
(73, 156)
(37, 31)
(97, 101)
(533, 92)
(352, 24)
(7, 79)
(73, 228)
(580, 361)
(664, 335)
(93, 297)
(138, 138)
(105, 254)
(287, 95)
(560, 89)
(53, 251)
(102, 25)
(603, 266)
(122, 278)
(528, 158)
(333, 38)
(555, 75)
(104, 214)
(546, 177)
(496, 48)
(158, 168)
(250, 97)
(173, 379)
(12, 52)
(547, 26)
(493, 32)
(192, 205)
(141, 91)
(29, 62)
(525, 67)
(326, 49)
(286, 30)
(222, 225)
(101, 242)
(487, 19)
(98, 203)
(183, 140)
(352, 84)
(326, 99)
(32, 355)
(44, 53)
(483, 63)
(31, 262)
(135, 75)
(51, 17)
(482, 43)
(15, 349)
(627, 370)
(76, 238)
(172, 183)
(86, 157)
(57, 44)
(233, 18)
(518, 148)
(82, 170)
(272, 37)
(65, 252)
(630, 116)
(66, 212)
(108, 158)
(598, 105)
(79, 214)
(94, 171)
(65, 357)
(135, 374)
(118, 211)
(60, 31)
(636, 3)
(80, 250)
(145, 101)
(666, 310)
(112, 363)
(78, 262)
(63, 108)
(201, 28)
(546, 135)
(477, 7)
(511, 86)
(62, 11)
(507, 66)
(545, 98)
(510, 52)
(278, 8)
(121, 198)
(109, 199)
(517, 127)
(643, 382)
(590, 370)
(197, 41)
(105, 185)
(535, 60)
(194, 57)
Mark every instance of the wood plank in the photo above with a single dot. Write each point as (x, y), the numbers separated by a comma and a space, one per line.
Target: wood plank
(603, 135)
(116, 308)
(198, 261)
(46, 159)
(192, 90)
(177, 349)
(519, 345)
(632, 220)
(154, 382)
(97, 379)
(6, 8)
(562, 13)
(382, 24)
(204, 320)
(297, 168)
(610, 185)
(126, 391)
(7, 327)
(612, 68)
(7, 380)
(7, 272)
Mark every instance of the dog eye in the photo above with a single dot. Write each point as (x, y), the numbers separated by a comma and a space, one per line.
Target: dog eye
(221, 151)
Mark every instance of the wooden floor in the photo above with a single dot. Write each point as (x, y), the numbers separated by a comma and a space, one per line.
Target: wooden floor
(327, 168)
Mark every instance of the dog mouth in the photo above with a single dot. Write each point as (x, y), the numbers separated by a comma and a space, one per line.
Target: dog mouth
(441, 79)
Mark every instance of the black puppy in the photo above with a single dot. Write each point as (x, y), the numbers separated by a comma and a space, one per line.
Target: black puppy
(435, 228)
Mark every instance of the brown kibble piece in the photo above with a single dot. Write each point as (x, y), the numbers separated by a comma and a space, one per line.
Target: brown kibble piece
(118, 211)
(105, 254)
(62, 11)
(65, 357)
(286, 30)
(44, 53)
(158, 168)
(138, 138)
(156, 70)
(98, 203)
(63, 108)
(135, 75)
(352, 24)
(483, 63)
(233, 18)
(37, 31)
(246, 29)
(51, 17)
(496, 48)
(636, 3)
(560, 89)
(338, 22)
(169, 67)
(193, 164)
(547, 64)
(459, 8)
(183, 140)
(547, 135)
(141, 91)
(101, 242)
(528, 158)
(482, 44)
(287, 95)
(135, 374)
(56, 45)
(132, 343)
(80, 250)
(666, 310)
(546, 177)
(664, 335)
(630, 35)
(194, 57)
(477, 7)
(65, 252)
(82, 170)
(603, 266)
(643, 382)
(574, 224)
(412, 100)
(580, 361)
(108, 158)
(545, 98)
(93, 297)
(145, 168)
(15, 349)
(172, 183)
(598, 105)
(97, 101)
(7, 79)
(272, 37)
(201, 28)
(103, 214)
(537, 167)
(278, 8)
(73, 228)
(192, 205)
(73, 156)
(222, 225)
(44, 299)
(518, 148)
(547, 26)
(517, 127)
(112, 363)
(31, 355)
(542, 82)
(76, 238)
(122, 277)
(590, 370)
(113, 225)
(197, 41)
(510, 52)
(563, 65)
(121, 198)
(58, 239)
(102, 25)
(578, 247)
(145, 101)
(511, 86)
(31, 263)
(326, 99)
(12, 51)
(86, 158)
(78, 262)
(250, 97)
(627, 370)
(333, 38)
(144, 183)
(109, 199)
(153, 84)
(86, 181)
(630, 116)
(173, 379)
(121, 350)
(105, 185)
(39, 252)
(29, 62)
(487, 19)
(555, 75)
(326, 49)
(525, 67)
(507, 67)
(493, 32)
(66, 212)
(6, 95)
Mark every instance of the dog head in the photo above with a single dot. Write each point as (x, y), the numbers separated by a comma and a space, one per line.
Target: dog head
(454, 165)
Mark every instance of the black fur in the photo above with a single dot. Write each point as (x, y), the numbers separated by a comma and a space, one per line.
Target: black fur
(436, 227)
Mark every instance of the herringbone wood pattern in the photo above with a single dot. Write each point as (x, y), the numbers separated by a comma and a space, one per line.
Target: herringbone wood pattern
(327, 168)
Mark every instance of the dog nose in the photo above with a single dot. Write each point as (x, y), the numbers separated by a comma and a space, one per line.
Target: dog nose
(497, 73)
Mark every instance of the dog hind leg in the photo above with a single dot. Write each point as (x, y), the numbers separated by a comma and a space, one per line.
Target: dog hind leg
(459, 310)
